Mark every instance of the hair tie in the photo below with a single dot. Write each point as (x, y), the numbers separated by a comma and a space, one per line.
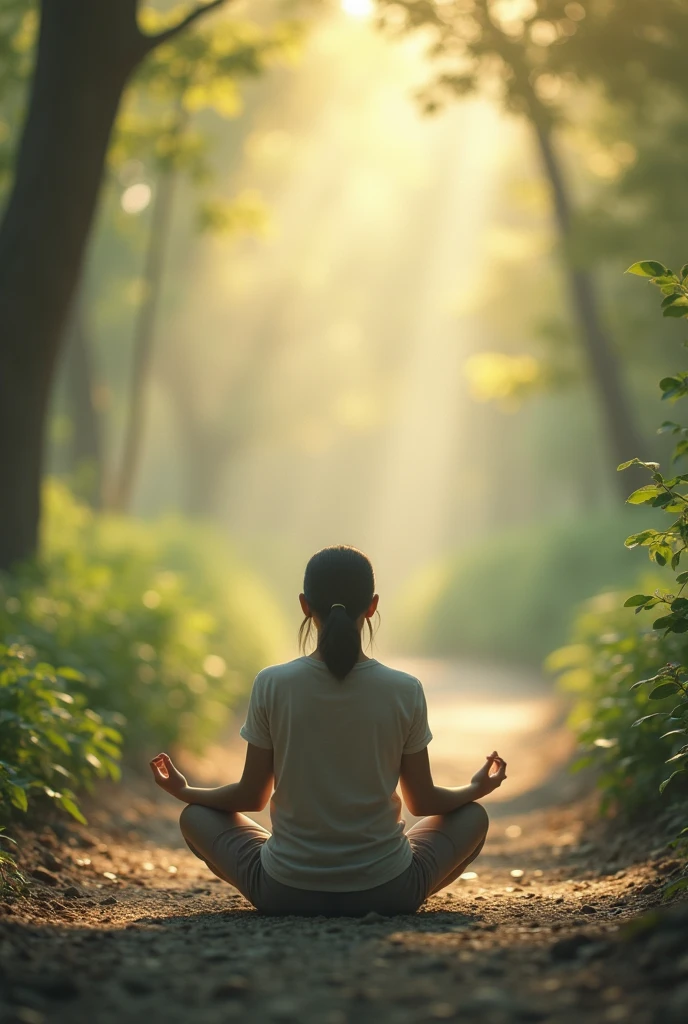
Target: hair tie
(337, 606)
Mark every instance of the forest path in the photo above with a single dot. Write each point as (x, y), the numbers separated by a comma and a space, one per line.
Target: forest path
(148, 935)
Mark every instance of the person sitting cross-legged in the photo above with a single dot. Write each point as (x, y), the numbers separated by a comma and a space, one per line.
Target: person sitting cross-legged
(336, 732)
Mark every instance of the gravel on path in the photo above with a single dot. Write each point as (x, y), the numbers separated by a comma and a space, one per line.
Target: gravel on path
(559, 918)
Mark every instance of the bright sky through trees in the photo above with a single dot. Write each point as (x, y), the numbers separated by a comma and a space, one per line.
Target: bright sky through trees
(357, 8)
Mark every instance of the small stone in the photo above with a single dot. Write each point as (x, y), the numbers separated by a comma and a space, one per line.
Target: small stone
(72, 893)
(587, 908)
(50, 861)
(109, 901)
(647, 889)
(372, 917)
(41, 875)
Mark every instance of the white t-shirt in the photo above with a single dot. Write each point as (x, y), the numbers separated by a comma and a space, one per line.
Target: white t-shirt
(337, 755)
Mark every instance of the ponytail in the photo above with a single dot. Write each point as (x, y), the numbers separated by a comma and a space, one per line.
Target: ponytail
(339, 585)
(340, 642)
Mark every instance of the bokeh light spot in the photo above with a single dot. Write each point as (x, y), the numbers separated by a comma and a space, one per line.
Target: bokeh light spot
(357, 8)
(214, 666)
(136, 198)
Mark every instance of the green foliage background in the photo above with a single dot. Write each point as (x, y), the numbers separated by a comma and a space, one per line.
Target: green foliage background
(513, 597)
(127, 635)
(164, 623)
(612, 649)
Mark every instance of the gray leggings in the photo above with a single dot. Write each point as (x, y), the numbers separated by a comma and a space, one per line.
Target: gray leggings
(443, 845)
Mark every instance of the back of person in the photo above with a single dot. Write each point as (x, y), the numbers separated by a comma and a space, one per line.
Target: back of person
(334, 732)
(337, 747)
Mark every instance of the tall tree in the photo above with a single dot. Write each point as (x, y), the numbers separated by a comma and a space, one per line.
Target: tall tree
(524, 51)
(86, 53)
(159, 130)
(211, 439)
(86, 441)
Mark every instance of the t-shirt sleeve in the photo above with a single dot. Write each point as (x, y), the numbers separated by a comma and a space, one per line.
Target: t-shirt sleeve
(256, 728)
(419, 734)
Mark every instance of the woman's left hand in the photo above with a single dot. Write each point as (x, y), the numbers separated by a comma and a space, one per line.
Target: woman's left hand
(490, 776)
(168, 777)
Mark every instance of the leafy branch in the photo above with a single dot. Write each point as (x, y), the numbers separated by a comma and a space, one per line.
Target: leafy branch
(669, 545)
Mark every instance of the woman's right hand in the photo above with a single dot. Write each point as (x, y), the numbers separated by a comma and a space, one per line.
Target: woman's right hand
(490, 776)
(168, 777)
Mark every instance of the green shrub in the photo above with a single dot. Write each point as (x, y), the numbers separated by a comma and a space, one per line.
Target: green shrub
(160, 621)
(11, 878)
(514, 597)
(611, 650)
(632, 677)
(51, 743)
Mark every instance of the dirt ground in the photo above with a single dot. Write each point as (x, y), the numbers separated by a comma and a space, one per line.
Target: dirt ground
(560, 918)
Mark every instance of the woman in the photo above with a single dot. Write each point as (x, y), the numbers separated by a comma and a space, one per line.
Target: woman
(336, 732)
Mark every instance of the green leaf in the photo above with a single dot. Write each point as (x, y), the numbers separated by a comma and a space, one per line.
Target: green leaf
(664, 621)
(654, 466)
(646, 718)
(674, 732)
(637, 599)
(650, 679)
(683, 272)
(677, 310)
(68, 804)
(663, 786)
(663, 690)
(662, 500)
(677, 757)
(71, 673)
(648, 268)
(652, 603)
(642, 538)
(682, 577)
(18, 797)
(673, 887)
(669, 427)
(644, 494)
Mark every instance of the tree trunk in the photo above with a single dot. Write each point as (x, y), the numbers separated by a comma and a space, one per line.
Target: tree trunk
(144, 337)
(622, 439)
(86, 454)
(204, 465)
(204, 446)
(86, 51)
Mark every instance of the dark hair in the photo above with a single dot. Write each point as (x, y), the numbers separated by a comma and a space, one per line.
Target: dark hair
(337, 576)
